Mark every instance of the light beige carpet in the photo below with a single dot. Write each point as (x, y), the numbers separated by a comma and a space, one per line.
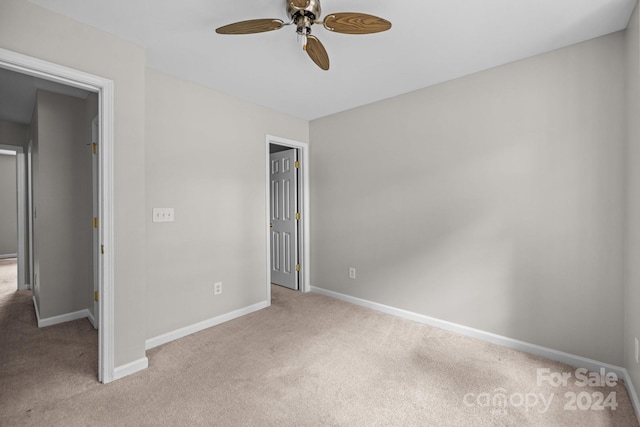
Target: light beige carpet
(307, 360)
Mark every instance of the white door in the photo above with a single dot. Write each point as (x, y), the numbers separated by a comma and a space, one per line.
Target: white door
(284, 219)
(96, 240)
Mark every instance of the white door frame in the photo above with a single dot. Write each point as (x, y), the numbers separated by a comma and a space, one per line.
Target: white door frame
(29, 189)
(104, 88)
(95, 203)
(22, 254)
(303, 147)
(20, 186)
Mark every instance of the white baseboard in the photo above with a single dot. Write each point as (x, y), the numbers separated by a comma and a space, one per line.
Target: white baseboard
(92, 319)
(197, 327)
(632, 393)
(130, 368)
(55, 320)
(68, 317)
(35, 305)
(559, 356)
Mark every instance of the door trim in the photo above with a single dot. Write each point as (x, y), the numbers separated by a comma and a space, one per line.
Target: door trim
(95, 212)
(285, 226)
(303, 147)
(21, 185)
(105, 89)
(18, 153)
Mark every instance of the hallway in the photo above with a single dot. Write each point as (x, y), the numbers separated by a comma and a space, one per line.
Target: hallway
(34, 361)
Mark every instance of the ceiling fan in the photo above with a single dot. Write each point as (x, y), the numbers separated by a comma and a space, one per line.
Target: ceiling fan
(305, 13)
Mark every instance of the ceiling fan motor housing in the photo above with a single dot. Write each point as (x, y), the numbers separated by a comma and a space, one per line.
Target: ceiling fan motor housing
(305, 16)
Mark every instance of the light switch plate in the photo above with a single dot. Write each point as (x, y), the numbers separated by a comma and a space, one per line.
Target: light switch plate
(163, 215)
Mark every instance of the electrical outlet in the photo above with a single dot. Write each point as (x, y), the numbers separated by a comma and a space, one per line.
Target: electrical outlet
(217, 288)
(637, 350)
(352, 273)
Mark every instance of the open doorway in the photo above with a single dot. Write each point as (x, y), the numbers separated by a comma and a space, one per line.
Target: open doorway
(8, 205)
(102, 89)
(8, 276)
(12, 204)
(287, 214)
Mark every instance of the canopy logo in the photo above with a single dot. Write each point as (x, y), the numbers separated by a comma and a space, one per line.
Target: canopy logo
(499, 401)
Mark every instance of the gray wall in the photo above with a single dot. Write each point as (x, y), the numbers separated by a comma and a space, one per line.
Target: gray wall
(14, 134)
(494, 201)
(62, 230)
(8, 206)
(206, 159)
(632, 296)
(32, 30)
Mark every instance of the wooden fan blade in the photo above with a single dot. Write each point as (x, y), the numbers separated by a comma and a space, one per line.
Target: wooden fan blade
(251, 27)
(355, 23)
(317, 52)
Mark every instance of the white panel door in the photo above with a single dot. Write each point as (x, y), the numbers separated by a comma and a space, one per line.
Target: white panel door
(284, 225)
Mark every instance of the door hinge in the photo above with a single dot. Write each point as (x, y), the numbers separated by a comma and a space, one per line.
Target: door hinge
(95, 222)
(95, 296)
(298, 267)
(94, 148)
(102, 249)
(298, 216)
(297, 164)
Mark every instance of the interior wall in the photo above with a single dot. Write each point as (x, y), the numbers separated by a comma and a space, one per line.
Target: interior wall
(34, 31)
(62, 232)
(632, 297)
(8, 205)
(492, 201)
(15, 134)
(206, 159)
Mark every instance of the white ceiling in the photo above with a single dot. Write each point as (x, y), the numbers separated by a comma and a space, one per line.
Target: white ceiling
(431, 41)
